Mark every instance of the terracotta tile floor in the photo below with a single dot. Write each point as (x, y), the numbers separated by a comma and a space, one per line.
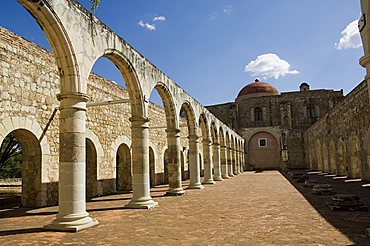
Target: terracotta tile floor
(250, 209)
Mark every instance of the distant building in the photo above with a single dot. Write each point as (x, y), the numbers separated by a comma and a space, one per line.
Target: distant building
(273, 123)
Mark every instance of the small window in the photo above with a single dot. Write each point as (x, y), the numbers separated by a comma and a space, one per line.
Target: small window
(311, 111)
(258, 114)
(262, 142)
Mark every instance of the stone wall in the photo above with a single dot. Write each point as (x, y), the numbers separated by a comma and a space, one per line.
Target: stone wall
(29, 83)
(339, 142)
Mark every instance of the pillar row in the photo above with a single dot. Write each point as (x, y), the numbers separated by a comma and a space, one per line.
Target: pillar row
(174, 163)
(72, 214)
(235, 162)
(216, 162)
(194, 163)
(140, 164)
(207, 150)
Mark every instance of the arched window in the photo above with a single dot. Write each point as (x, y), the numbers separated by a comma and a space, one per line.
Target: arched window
(311, 111)
(258, 114)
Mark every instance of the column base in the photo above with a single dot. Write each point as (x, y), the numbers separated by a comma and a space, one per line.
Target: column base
(231, 175)
(137, 204)
(236, 173)
(209, 181)
(225, 176)
(219, 178)
(175, 192)
(195, 186)
(71, 224)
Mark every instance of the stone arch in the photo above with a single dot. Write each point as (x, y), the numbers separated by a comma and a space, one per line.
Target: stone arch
(94, 156)
(367, 169)
(342, 165)
(332, 154)
(121, 146)
(320, 165)
(35, 151)
(165, 166)
(190, 117)
(169, 105)
(99, 149)
(60, 42)
(263, 151)
(91, 177)
(123, 168)
(355, 167)
(183, 172)
(152, 164)
(214, 133)
(325, 158)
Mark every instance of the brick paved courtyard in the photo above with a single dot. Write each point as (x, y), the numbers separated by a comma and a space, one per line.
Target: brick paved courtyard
(250, 209)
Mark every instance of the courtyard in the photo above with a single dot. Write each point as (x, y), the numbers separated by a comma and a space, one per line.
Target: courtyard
(252, 208)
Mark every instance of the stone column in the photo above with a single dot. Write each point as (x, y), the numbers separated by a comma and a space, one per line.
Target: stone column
(224, 169)
(235, 162)
(140, 164)
(216, 162)
(207, 151)
(230, 162)
(364, 27)
(241, 161)
(72, 214)
(194, 163)
(174, 163)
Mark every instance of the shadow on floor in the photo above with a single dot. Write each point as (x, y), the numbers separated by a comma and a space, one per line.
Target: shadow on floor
(353, 224)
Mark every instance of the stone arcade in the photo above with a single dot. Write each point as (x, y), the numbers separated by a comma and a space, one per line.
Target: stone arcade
(135, 135)
(53, 104)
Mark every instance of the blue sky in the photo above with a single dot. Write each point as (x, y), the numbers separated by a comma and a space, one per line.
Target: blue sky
(205, 45)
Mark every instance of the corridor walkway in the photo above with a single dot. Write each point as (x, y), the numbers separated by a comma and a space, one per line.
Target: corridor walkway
(249, 209)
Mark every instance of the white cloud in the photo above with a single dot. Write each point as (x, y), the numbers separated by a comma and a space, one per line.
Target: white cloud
(350, 37)
(228, 10)
(150, 27)
(159, 18)
(269, 66)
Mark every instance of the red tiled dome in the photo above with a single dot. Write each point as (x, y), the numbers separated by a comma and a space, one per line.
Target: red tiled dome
(258, 87)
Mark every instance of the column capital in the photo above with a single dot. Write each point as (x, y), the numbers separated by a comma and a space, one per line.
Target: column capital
(74, 100)
(173, 132)
(194, 137)
(138, 121)
(216, 144)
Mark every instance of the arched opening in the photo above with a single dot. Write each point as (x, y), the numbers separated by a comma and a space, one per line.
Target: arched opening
(263, 151)
(355, 171)
(367, 169)
(187, 113)
(201, 165)
(183, 171)
(20, 165)
(342, 166)
(325, 158)
(165, 167)
(91, 170)
(319, 155)
(123, 169)
(153, 180)
(333, 165)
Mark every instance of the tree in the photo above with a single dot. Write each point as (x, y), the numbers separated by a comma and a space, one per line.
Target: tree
(94, 5)
(10, 158)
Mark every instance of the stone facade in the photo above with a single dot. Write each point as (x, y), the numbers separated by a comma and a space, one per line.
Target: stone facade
(285, 116)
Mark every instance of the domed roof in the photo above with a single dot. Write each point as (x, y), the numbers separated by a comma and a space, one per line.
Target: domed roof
(257, 88)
